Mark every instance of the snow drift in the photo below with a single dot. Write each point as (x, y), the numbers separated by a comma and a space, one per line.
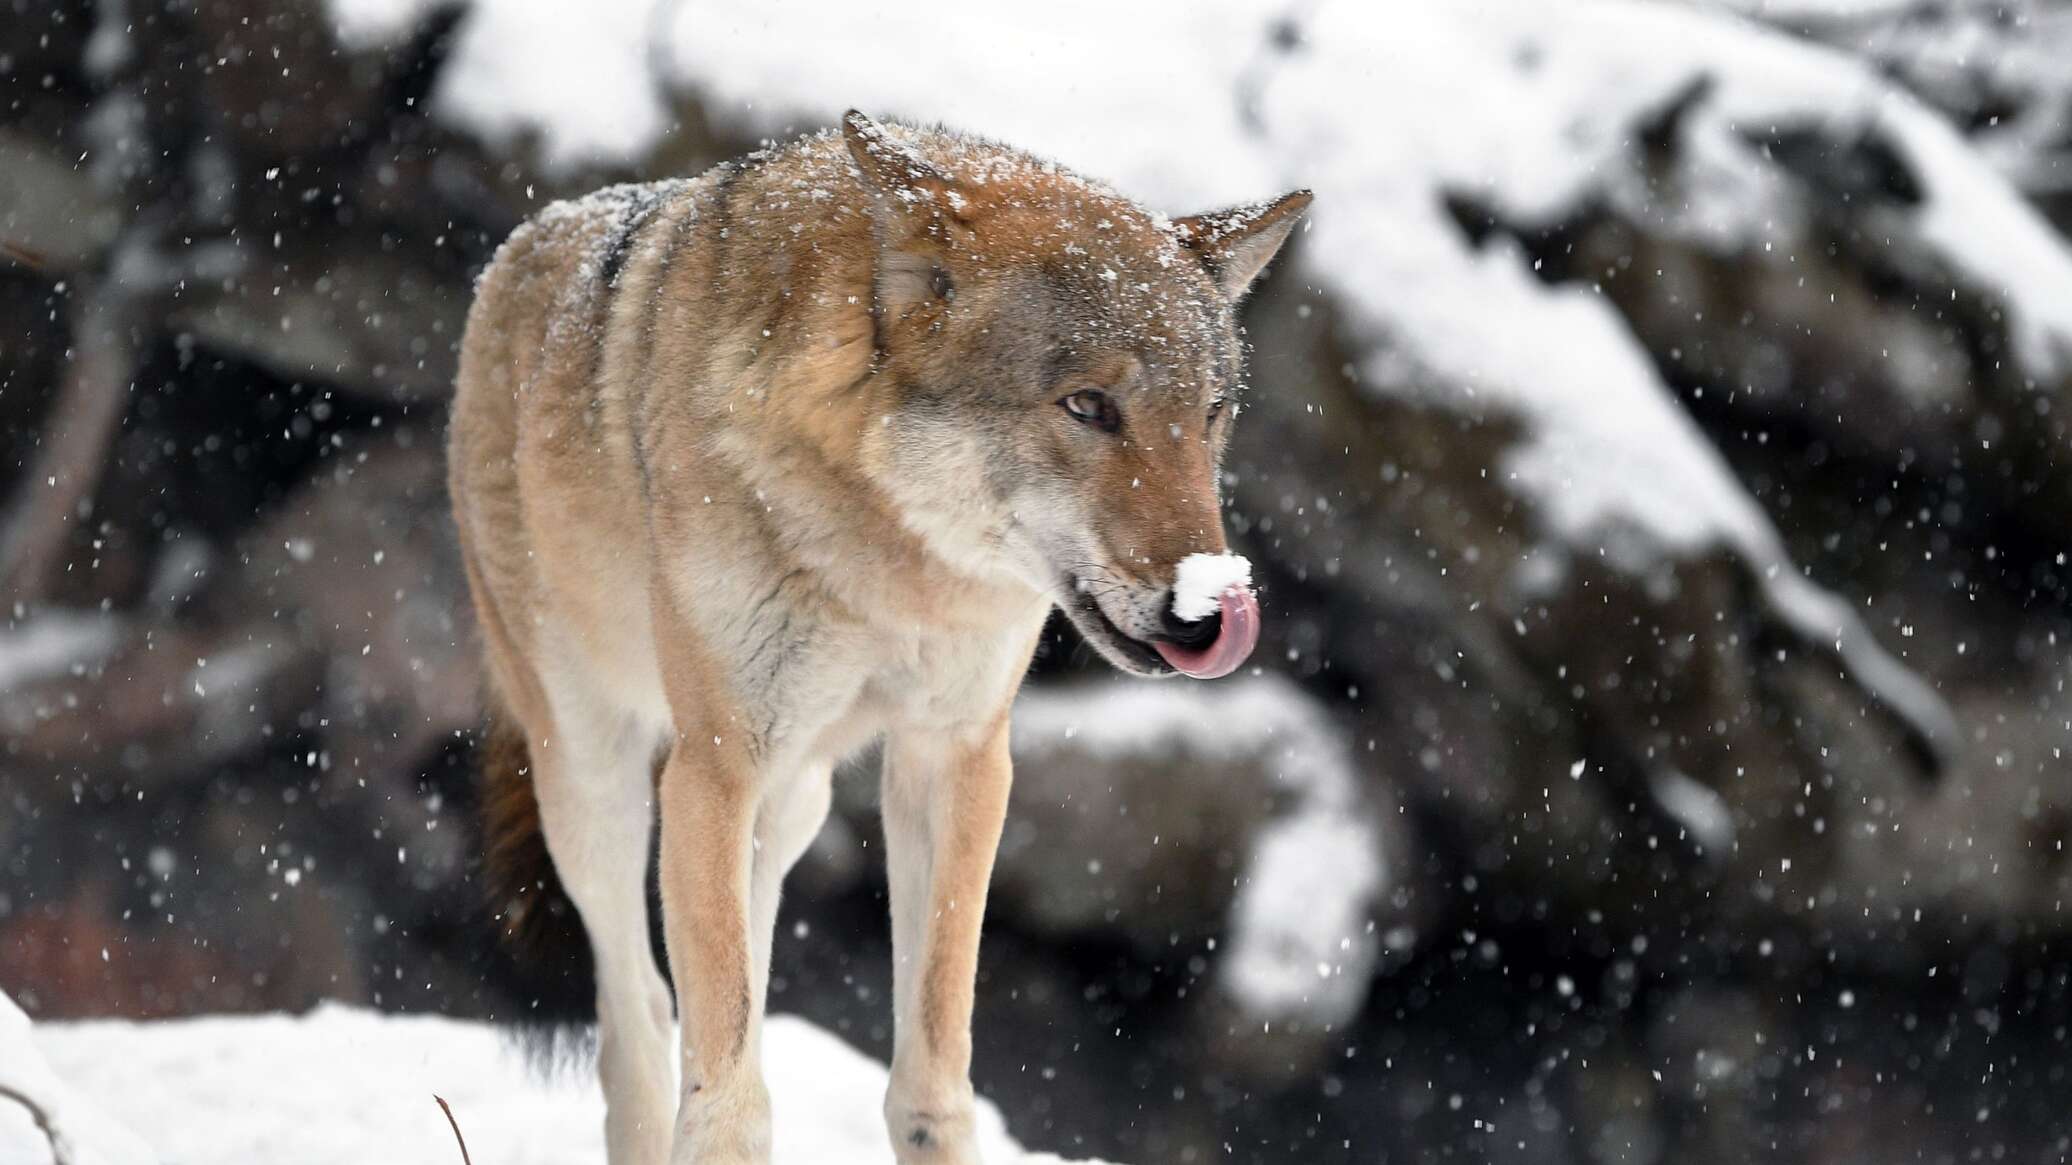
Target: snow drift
(341, 1086)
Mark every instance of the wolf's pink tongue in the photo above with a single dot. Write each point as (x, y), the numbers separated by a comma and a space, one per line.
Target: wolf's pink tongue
(1239, 635)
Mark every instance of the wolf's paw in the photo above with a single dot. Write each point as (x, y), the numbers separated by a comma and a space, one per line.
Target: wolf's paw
(723, 1127)
(932, 1134)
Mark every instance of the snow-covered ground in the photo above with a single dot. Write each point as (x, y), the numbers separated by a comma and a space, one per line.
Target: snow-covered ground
(342, 1086)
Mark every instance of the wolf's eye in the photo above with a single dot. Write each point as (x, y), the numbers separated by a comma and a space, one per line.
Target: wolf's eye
(1091, 406)
(1215, 410)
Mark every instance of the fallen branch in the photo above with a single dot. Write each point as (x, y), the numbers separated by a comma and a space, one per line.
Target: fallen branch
(448, 1110)
(59, 1154)
(78, 436)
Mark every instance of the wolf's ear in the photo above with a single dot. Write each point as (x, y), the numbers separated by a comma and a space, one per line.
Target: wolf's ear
(913, 203)
(1236, 244)
(897, 172)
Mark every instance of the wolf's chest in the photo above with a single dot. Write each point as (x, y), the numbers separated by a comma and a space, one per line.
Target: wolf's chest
(924, 680)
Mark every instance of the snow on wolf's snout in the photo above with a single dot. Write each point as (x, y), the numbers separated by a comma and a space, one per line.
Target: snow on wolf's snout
(1080, 357)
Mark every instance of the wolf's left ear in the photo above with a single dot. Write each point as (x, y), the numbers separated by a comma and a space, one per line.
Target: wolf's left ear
(897, 171)
(913, 204)
(1236, 244)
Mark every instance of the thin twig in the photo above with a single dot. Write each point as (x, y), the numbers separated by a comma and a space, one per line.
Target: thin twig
(33, 260)
(58, 1155)
(448, 1110)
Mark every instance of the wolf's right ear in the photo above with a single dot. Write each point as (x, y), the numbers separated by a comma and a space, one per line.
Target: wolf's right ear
(898, 174)
(1236, 244)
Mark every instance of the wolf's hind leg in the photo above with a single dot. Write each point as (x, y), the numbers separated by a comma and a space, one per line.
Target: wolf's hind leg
(792, 813)
(594, 781)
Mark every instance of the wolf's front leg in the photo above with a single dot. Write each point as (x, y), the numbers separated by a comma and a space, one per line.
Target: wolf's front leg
(944, 802)
(709, 795)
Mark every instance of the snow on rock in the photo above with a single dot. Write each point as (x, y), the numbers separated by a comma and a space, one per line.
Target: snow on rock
(342, 1086)
(1705, 815)
(377, 24)
(1123, 717)
(1614, 464)
(575, 77)
(54, 643)
(1968, 216)
(1201, 580)
(1612, 448)
(1996, 66)
(1301, 940)
(1142, 95)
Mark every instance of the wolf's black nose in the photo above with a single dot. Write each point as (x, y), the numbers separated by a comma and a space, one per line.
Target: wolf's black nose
(1193, 636)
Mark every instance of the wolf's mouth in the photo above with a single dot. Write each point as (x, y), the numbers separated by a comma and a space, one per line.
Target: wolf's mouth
(1204, 648)
(1095, 625)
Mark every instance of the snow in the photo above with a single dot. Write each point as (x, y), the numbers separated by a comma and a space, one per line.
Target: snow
(573, 77)
(1612, 447)
(1971, 217)
(1783, 10)
(1120, 718)
(1199, 583)
(2000, 59)
(1821, 619)
(343, 1086)
(377, 24)
(1704, 814)
(82, 1133)
(1159, 122)
(54, 643)
(1300, 939)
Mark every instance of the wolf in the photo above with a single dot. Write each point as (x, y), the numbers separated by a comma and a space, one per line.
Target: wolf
(756, 470)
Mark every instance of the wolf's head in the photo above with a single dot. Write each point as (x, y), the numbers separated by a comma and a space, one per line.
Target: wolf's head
(1068, 368)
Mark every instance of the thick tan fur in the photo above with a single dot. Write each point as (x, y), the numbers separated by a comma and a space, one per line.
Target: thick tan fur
(756, 469)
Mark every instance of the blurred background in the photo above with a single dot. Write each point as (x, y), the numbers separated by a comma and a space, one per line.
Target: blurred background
(1655, 457)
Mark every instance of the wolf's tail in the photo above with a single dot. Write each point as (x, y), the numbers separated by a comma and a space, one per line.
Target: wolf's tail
(537, 926)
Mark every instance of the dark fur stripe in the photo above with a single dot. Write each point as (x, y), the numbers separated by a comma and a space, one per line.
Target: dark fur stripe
(638, 212)
(620, 246)
(722, 234)
(682, 227)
